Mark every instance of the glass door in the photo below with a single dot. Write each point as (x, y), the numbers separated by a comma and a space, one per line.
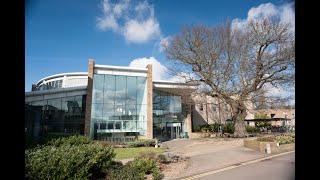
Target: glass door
(173, 130)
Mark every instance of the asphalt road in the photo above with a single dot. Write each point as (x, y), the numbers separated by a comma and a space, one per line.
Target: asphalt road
(278, 168)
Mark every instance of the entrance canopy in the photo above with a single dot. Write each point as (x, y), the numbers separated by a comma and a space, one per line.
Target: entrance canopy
(173, 87)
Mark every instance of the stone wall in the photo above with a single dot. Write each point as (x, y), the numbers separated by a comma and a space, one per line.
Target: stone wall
(203, 135)
(261, 146)
(252, 144)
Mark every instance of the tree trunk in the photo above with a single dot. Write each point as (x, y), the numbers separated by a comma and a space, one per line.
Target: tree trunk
(238, 118)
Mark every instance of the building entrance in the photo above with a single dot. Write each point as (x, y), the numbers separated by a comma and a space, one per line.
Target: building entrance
(173, 130)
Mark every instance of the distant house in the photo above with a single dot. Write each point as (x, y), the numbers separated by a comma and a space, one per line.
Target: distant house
(278, 117)
(208, 110)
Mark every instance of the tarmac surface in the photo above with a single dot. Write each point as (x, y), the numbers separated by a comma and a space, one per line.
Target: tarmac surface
(277, 168)
(212, 153)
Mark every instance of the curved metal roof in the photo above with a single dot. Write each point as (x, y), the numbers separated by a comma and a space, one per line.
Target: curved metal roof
(61, 75)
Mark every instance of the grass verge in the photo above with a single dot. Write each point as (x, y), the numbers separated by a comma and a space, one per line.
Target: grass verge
(124, 153)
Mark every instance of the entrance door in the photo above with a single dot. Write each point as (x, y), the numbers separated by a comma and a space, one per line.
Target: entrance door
(173, 130)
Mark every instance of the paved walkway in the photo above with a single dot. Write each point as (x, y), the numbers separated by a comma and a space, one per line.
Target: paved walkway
(276, 167)
(212, 153)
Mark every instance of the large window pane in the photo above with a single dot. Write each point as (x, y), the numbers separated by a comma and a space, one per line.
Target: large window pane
(68, 106)
(78, 100)
(132, 90)
(120, 95)
(131, 111)
(96, 111)
(108, 112)
(53, 116)
(97, 92)
(109, 89)
(141, 90)
(142, 127)
(142, 112)
(36, 116)
(120, 112)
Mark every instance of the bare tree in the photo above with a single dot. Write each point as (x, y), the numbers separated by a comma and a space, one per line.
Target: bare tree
(235, 63)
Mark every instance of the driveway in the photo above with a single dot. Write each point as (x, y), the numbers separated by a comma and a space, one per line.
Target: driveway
(278, 168)
(211, 153)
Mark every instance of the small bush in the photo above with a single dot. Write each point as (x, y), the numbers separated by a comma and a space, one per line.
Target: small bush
(156, 173)
(229, 128)
(144, 165)
(135, 170)
(196, 129)
(214, 127)
(67, 161)
(32, 142)
(72, 140)
(204, 129)
(285, 139)
(162, 158)
(251, 129)
(125, 173)
(142, 143)
(172, 157)
(56, 140)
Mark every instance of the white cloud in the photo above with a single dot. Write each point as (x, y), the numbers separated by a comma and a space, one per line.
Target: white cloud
(141, 31)
(159, 71)
(136, 22)
(119, 8)
(285, 12)
(142, 6)
(262, 10)
(108, 22)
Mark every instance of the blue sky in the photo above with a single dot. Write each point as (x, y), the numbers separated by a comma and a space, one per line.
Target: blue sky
(60, 36)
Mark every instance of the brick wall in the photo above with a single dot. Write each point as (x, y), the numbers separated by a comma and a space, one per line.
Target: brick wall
(149, 134)
(89, 98)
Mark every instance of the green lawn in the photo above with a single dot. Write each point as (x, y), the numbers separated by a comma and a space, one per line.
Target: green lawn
(124, 153)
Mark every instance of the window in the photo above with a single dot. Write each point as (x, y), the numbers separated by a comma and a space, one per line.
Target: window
(118, 125)
(272, 115)
(214, 108)
(110, 125)
(201, 107)
(103, 125)
(60, 84)
(120, 101)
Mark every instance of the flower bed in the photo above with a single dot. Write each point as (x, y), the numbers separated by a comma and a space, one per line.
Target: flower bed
(279, 143)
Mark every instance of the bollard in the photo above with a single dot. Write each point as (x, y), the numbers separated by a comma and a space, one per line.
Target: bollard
(156, 146)
(268, 148)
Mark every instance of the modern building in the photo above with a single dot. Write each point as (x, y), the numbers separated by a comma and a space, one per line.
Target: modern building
(119, 104)
(109, 103)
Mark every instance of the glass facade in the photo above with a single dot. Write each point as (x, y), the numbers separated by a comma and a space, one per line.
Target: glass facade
(50, 85)
(60, 116)
(168, 115)
(119, 107)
